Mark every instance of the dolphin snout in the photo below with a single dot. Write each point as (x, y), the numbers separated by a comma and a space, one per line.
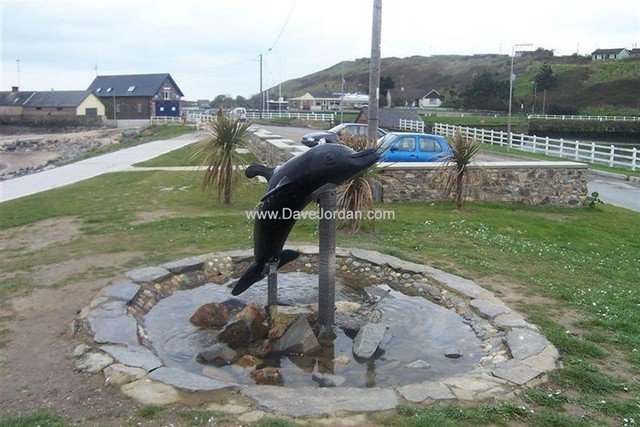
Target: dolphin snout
(365, 158)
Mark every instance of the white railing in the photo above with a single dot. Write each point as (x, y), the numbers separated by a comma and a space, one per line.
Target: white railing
(593, 118)
(590, 152)
(324, 117)
(413, 125)
(165, 120)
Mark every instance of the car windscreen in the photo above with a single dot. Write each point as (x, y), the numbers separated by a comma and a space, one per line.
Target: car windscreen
(386, 141)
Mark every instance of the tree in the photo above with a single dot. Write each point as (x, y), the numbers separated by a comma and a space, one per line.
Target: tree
(219, 155)
(546, 78)
(486, 92)
(386, 83)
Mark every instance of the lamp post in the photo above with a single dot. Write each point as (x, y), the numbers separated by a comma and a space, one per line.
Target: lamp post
(535, 92)
(511, 79)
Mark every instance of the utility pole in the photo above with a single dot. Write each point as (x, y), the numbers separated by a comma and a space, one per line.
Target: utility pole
(374, 72)
(261, 91)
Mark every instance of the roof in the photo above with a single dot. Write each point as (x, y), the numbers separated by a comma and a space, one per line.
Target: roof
(433, 94)
(390, 117)
(58, 98)
(14, 99)
(143, 85)
(635, 51)
(607, 51)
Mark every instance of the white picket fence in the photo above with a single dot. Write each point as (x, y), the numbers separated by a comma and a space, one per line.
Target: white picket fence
(590, 152)
(166, 120)
(595, 118)
(412, 125)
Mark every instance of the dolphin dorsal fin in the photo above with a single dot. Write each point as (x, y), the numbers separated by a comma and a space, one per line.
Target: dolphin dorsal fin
(259, 170)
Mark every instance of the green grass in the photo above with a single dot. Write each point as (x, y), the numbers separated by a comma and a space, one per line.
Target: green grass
(42, 418)
(575, 272)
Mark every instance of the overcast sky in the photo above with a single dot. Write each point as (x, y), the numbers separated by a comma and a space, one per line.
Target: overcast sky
(211, 47)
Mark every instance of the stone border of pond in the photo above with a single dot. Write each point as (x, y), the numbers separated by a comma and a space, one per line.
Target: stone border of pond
(517, 354)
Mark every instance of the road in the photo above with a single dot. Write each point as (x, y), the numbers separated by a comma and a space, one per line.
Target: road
(612, 190)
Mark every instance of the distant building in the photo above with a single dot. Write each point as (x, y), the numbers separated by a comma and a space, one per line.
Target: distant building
(609, 54)
(138, 96)
(431, 99)
(50, 103)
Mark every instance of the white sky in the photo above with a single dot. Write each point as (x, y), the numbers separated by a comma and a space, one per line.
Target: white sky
(211, 47)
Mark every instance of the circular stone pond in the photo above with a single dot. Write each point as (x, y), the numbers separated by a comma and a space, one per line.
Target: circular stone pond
(440, 336)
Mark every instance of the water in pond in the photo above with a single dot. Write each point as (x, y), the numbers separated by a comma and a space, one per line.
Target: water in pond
(418, 330)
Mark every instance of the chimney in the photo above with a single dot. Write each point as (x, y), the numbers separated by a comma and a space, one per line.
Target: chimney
(14, 88)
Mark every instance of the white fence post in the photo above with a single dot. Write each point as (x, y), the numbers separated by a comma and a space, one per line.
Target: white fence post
(634, 158)
(612, 153)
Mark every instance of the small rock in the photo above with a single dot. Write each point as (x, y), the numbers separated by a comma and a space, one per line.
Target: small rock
(210, 314)
(119, 374)
(418, 364)
(328, 380)
(80, 350)
(453, 354)
(247, 361)
(252, 312)
(93, 362)
(218, 354)
(342, 360)
(267, 376)
(368, 339)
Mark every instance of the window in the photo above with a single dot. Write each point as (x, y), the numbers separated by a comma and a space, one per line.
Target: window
(167, 94)
(98, 90)
(139, 108)
(430, 145)
(131, 89)
(117, 108)
(406, 144)
(109, 89)
(59, 108)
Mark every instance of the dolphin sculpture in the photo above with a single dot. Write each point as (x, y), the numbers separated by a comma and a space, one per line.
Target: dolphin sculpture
(292, 186)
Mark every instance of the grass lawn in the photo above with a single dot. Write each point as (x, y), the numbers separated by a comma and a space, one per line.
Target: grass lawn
(573, 272)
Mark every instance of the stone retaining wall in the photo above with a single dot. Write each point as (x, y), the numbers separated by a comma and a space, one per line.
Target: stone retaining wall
(530, 183)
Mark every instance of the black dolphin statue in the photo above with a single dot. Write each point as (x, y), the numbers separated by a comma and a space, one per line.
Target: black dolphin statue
(292, 186)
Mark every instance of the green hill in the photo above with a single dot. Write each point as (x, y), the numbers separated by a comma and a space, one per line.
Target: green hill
(583, 86)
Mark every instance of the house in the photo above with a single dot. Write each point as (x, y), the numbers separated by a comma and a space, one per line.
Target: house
(11, 103)
(64, 102)
(389, 118)
(138, 96)
(635, 52)
(431, 99)
(50, 103)
(606, 54)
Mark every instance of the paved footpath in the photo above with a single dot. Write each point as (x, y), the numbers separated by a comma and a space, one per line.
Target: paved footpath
(89, 168)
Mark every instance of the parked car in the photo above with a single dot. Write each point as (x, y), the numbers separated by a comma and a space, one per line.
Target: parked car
(413, 147)
(239, 113)
(332, 135)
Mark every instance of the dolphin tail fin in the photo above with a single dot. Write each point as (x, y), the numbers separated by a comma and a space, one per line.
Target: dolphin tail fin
(286, 256)
(257, 271)
(254, 273)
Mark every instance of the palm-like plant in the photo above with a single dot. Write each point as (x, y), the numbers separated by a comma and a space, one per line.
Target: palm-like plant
(219, 155)
(456, 172)
(356, 195)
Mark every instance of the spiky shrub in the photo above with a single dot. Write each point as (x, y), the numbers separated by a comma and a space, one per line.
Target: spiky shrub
(355, 197)
(219, 155)
(455, 173)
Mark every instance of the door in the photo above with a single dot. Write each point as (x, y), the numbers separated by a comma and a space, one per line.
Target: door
(403, 149)
(91, 111)
(168, 108)
(429, 150)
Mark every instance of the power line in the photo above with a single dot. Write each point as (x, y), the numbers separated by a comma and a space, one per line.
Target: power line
(284, 26)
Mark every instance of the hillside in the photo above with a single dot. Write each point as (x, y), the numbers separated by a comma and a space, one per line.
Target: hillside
(583, 86)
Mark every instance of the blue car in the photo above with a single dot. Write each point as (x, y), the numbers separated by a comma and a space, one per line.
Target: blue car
(413, 147)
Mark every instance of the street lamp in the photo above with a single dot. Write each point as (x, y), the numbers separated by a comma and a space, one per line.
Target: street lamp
(511, 79)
